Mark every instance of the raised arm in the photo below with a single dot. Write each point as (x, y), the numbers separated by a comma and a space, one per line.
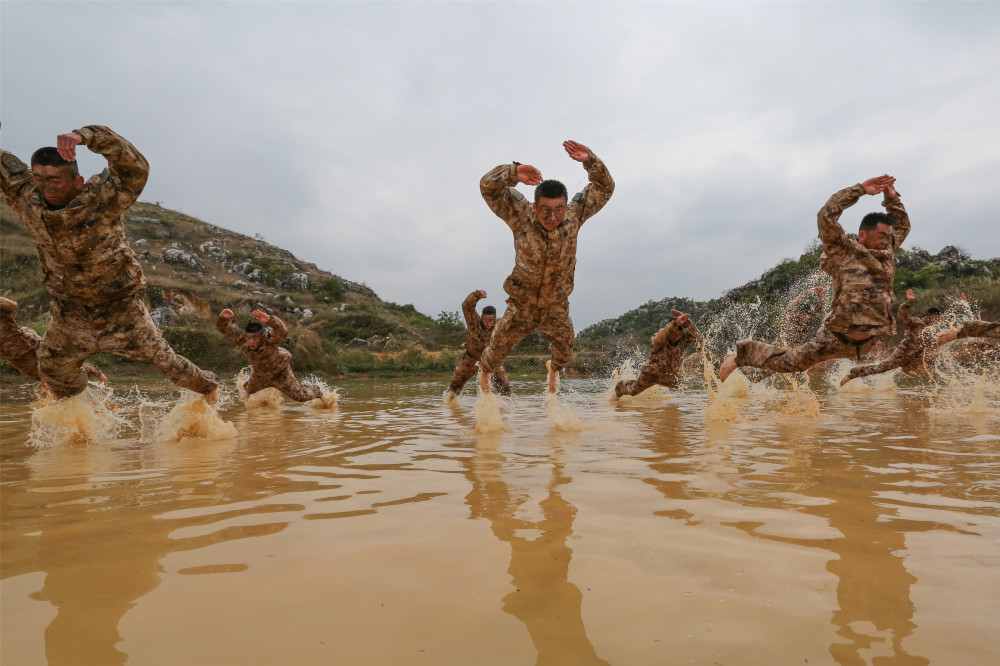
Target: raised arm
(831, 234)
(497, 188)
(15, 178)
(469, 307)
(224, 324)
(593, 197)
(900, 220)
(904, 309)
(279, 331)
(127, 168)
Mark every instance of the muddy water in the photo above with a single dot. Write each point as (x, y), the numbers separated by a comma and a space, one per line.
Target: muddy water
(387, 531)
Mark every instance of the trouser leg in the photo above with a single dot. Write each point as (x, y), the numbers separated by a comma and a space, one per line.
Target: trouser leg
(510, 329)
(68, 342)
(466, 369)
(556, 327)
(796, 359)
(291, 387)
(500, 382)
(635, 386)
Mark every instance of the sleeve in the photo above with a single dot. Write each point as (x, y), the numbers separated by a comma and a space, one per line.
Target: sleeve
(228, 329)
(469, 310)
(900, 220)
(497, 188)
(831, 234)
(904, 313)
(93, 372)
(15, 178)
(127, 168)
(980, 329)
(660, 338)
(279, 331)
(597, 192)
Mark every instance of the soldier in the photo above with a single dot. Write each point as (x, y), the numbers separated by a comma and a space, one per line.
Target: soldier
(970, 329)
(664, 366)
(909, 355)
(270, 363)
(19, 346)
(863, 272)
(545, 234)
(88, 267)
(480, 330)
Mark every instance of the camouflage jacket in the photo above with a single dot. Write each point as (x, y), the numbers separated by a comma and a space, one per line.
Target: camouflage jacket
(862, 278)
(479, 336)
(980, 329)
(910, 352)
(82, 247)
(269, 358)
(19, 344)
(545, 261)
(666, 357)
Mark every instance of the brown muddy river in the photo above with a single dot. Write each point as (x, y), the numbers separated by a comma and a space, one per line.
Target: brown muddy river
(389, 532)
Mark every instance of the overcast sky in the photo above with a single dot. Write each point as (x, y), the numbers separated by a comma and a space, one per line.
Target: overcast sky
(355, 134)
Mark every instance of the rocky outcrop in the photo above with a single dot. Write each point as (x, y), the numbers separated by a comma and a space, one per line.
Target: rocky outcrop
(177, 256)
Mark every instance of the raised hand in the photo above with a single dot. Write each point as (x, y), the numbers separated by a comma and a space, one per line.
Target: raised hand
(577, 151)
(261, 316)
(226, 314)
(480, 294)
(878, 184)
(909, 295)
(528, 174)
(681, 317)
(66, 145)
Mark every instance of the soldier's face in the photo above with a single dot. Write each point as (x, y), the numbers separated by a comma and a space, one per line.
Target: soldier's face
(56, 185)
(488, 321)
(550, 212)
(254, 340)
(879, 238)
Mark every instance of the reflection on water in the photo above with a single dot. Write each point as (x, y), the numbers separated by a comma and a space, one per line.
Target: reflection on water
(388, 531)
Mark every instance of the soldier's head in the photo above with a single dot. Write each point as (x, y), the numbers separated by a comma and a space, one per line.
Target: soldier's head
(933, 316)
(875, 232)
(489, 317)
(551, 203)
(56, 179)
(254, 334)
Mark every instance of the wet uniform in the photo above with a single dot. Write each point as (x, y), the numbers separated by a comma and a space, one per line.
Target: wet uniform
(271, 363)
(909, 355)
(664, 366)
(545, 263)
(862, 293)
(90, 271)
(797, 323)
(475, 343)
(980, 329)
(19, 345)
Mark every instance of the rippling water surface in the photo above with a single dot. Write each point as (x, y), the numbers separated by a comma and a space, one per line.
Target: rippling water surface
(389, 532)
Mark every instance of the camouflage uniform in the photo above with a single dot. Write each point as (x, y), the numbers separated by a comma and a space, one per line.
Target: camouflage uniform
(862, 294)
(664, 366)
(980, 329)
(797, 323)
(475, 343)
(909, 355)
(545, 262)
(90, 271)
(271, 363)
(19, 344)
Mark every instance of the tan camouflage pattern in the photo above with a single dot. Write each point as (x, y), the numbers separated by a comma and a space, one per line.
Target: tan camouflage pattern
(551, 320)
(908, 355)
(665, 361)
(19, 345)
(271, 363)
(475, 343)
(84, 254)
(77, 331)
(825, 347)
(980, 329)
(862, 278)
(545, 261)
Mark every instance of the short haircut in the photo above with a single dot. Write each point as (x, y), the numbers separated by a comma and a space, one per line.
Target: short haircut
(49, 156)
(254, 327)
(551, 189)
(872, 220)
(932, 312)
(489, 310)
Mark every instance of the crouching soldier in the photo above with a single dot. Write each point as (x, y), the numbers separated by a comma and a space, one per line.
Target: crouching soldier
(270, 363)
(909, 355)
(664, 366)
(480, 330)
(19, 346)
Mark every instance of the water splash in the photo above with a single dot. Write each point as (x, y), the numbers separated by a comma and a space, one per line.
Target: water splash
(564, 417)
(86, 417)
(192, 417)
(626, 371)
(488, 416)
(449, 397)
(269, 398)
(329, 397)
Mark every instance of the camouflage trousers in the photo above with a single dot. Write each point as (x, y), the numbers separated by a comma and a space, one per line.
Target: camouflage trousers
(650, 374)
(771, 359)
(468, 367)
(123, 328)
(909, 356)
(550, 319)
(284, 380)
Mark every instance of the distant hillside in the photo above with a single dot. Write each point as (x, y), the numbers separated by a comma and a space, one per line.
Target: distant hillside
(937, 280)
